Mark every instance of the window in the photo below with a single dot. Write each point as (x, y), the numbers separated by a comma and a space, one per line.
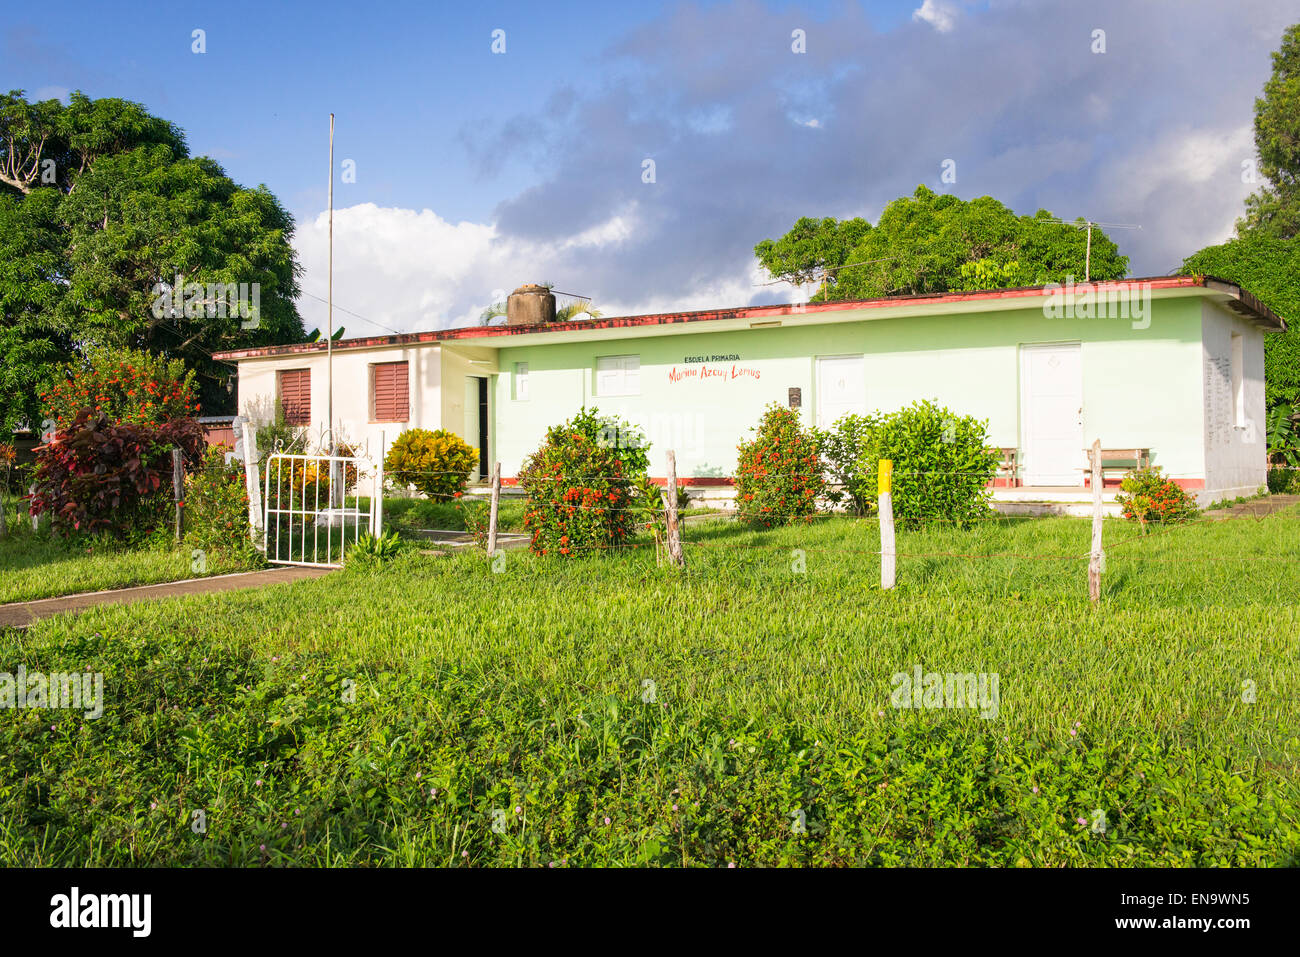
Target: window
(295, 395)
(618, 375)
(521, 381)
(390, 392)
(1238, 383)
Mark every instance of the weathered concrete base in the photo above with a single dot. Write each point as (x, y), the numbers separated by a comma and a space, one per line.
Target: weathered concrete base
(1043, 509)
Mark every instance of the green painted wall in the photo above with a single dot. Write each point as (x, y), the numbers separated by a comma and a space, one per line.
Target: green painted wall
(1140, 386)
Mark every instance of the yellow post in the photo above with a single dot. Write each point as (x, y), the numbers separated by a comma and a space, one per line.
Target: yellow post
(888, 554)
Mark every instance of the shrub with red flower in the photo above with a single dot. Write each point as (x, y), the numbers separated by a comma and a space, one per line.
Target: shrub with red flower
(780, 472)
(582, 485)
(97, 475)
(125, 385)
(1146, 496)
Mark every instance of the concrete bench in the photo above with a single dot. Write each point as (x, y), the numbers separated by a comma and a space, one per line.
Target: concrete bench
(1141, 458)
(1008, 468)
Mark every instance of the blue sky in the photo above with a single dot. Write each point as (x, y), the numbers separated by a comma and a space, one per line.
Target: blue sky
(478, 171)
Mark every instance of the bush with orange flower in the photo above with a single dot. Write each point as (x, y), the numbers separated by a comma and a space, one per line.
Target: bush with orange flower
(127, 386)
(582, 485)
(1147, 496)
(306, 483)
(779, 476)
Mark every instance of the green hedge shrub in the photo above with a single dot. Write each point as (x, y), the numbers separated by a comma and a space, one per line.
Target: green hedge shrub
(436, 463)
(216, 505)
(1283, 480)
(842, 446)
(582, 485)
(942, 464)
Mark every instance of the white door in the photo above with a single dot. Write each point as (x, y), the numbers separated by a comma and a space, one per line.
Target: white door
(841, 388)
(1051, 414)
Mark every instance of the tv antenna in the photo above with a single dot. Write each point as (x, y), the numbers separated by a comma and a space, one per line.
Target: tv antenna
(1088, 224)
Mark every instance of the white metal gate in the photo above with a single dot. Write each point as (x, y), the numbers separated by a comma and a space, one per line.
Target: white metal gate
(315, 509)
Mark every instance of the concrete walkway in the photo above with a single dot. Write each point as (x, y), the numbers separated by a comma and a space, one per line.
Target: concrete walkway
(19, 614)
(1255, 508)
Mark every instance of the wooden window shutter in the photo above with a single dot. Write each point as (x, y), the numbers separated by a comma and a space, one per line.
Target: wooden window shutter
(295, 395)
(392, 392)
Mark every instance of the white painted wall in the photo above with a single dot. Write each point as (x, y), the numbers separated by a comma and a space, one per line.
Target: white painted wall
(1236, 445)
(353, 412)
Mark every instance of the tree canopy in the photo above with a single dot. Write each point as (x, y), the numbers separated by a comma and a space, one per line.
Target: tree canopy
(932, 242)
(102, 211)
(1269, 268)
(1275, 209)
(1265, 255)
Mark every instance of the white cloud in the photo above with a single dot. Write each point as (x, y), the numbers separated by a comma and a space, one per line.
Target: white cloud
(942, 16)
(408, 270)
(1154, 187)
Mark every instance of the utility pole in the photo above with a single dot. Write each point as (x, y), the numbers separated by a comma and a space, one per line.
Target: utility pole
(329, 341)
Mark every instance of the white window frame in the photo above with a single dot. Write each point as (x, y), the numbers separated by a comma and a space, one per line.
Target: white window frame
(617, 376)
(521, 381)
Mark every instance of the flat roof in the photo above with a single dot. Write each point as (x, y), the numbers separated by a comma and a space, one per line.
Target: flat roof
(1239, 300)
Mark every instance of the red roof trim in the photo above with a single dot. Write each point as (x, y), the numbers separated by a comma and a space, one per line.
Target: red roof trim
(748, 312)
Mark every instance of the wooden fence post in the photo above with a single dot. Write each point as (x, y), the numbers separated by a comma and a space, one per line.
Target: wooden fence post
(36, 518)
(178, 489)
(252, 486)
(888, 553)
(670, 514)
(377, 506)
(492, 513)
(1096, 557)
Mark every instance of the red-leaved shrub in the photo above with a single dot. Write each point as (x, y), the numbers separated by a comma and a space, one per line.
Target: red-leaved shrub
(96, 475)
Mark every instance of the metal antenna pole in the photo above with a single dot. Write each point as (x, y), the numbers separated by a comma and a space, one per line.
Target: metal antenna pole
(329, 341)
(1087, 256)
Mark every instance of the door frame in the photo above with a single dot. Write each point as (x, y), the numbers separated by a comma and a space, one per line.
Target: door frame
(1027, 462)
(480, 409)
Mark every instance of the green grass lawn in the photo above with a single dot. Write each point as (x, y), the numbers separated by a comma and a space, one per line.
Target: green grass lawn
(406, 515)
(38, 565)
(608, 711)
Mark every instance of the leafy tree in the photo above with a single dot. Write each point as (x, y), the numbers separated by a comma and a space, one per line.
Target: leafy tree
(101, 210)
(931, 242)
(812, 249)
(30, 340)
(1275, 209)
(1270, 269)
(1265, 255)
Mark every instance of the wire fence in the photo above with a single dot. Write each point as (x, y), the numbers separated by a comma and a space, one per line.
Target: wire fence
(979, 533)
(302, 519)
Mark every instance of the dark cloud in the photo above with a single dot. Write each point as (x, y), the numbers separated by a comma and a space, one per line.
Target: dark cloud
(747, 136)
